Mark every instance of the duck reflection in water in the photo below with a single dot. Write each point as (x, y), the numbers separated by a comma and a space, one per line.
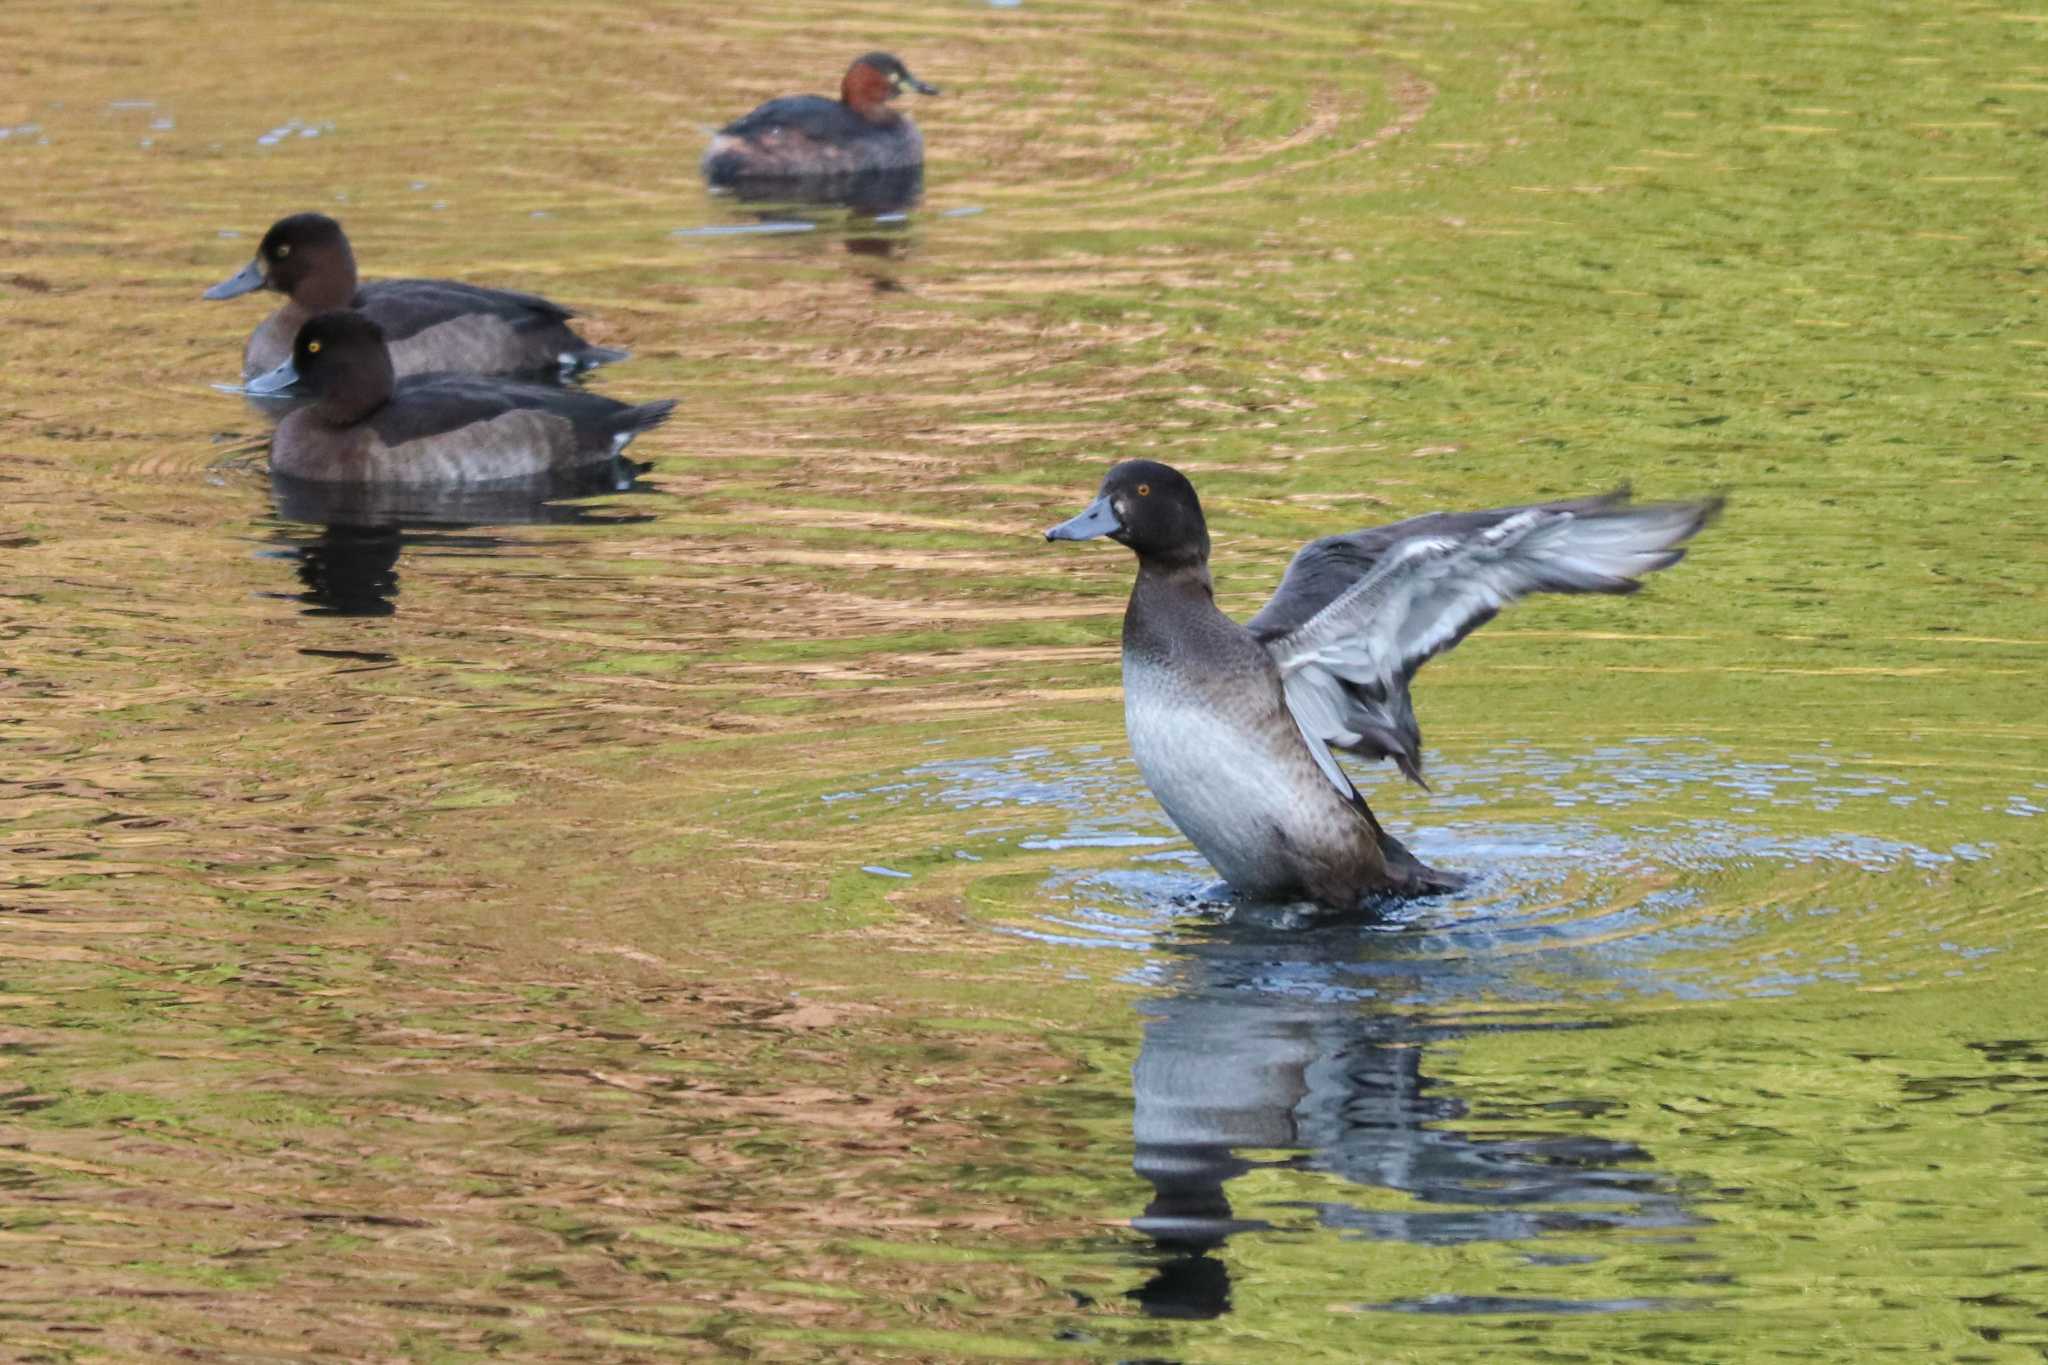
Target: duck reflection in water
(866, 194)
(866, 210)
(351, 571)
(1273, 1043)
(868, 213)
(351, 567)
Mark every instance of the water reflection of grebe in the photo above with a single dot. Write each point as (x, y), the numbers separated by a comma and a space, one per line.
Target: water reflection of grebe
(1268, 1047)
(868, 194)
(868, 211)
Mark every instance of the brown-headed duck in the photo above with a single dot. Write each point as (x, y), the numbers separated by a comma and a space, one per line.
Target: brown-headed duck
(433, 326)
(363, 424)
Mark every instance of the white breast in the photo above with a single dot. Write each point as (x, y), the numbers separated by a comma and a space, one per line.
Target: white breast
(1227, 784)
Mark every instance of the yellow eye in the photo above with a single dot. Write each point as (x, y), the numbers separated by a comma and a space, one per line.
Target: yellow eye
(284, 249)
(1144, 490)
(312, 348)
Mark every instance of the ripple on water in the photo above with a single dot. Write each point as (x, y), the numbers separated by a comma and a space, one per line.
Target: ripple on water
(1331, 253)
(1622, 893)
(1300, 1080)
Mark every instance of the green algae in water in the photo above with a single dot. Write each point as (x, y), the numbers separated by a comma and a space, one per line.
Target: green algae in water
(341, 1014)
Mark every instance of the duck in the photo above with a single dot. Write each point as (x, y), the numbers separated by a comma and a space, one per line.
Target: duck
(433, 326)
(362, 424)
(808, 137)
(1233, 725)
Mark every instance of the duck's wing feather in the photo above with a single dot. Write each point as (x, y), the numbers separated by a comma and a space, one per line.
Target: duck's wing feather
(405, 308)
(1357, 615)
(812, 116)
(432, 404)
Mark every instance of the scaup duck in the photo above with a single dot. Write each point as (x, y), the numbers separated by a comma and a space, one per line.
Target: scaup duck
(432, 326)
(808, 137)
(365, 425)
(1232, 725)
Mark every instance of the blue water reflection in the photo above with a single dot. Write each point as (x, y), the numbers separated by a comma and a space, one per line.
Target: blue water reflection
(1267, 1052)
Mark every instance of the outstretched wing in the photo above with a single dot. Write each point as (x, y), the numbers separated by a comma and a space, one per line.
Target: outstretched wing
(1357, 615)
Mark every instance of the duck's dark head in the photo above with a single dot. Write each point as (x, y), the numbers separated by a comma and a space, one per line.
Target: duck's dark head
(1148, 506)
(339, 359)
(875, 79)
(306, 256)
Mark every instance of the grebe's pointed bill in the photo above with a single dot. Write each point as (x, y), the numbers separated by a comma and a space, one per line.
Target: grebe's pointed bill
(910, 82)
(1100, 519)
(247, 280)
(282, 382)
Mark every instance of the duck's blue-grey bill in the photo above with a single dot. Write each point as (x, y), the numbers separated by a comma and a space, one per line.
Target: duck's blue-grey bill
(1099, 520)
(282, 382)
(246, 280)
(919, 86)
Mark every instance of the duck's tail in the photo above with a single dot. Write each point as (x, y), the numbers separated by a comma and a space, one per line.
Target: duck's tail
(630, 422)
(648, 416)
(590, 357)
(1407, 875)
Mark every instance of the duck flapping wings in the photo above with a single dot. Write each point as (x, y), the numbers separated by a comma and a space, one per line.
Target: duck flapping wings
(1358, 614)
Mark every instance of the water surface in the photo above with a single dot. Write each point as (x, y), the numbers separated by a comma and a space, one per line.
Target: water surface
(718, 917)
